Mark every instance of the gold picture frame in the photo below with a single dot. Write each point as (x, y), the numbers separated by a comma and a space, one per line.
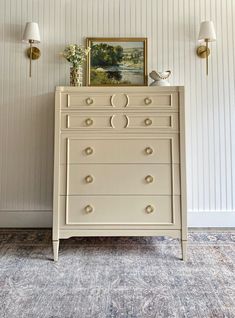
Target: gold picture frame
(132, 52)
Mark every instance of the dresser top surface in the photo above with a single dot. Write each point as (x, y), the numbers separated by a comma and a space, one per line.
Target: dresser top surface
(122, 89)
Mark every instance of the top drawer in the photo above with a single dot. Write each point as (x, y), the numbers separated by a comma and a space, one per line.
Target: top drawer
(128, 100)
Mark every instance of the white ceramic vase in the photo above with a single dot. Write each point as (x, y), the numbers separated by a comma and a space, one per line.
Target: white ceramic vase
(160, 78)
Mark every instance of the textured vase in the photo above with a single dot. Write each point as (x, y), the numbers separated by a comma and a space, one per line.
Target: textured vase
(75, 76)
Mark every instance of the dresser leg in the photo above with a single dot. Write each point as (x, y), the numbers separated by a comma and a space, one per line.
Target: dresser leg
(184, 250)
(56, 250)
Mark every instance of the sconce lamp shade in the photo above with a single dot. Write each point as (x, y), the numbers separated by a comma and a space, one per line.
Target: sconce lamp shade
(31, 33)
(207, 32)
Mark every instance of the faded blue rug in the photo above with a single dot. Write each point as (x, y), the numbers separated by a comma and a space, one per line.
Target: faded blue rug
(116, 277)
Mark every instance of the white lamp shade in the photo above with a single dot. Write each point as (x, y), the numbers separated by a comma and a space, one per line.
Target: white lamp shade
(207, 31)
(31, 32)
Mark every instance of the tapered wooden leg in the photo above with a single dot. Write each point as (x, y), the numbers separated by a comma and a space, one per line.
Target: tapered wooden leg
(184, 250)
(56, 250)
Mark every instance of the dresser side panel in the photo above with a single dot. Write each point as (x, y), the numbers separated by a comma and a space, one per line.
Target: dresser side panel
(183, 179)
(56, 181)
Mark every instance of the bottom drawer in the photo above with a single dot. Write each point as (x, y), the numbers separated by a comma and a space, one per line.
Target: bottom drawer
(126, 210)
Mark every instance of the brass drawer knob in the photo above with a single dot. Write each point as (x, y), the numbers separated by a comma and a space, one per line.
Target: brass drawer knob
(149, 209)
(89, 101)
(148, 122)
(148, 101)
(89, 209)
(148, 150)
(149, 179)
(89, 179)
(89, 151)
(89, 122)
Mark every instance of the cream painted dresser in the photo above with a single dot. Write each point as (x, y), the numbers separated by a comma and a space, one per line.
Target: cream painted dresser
(119, 165)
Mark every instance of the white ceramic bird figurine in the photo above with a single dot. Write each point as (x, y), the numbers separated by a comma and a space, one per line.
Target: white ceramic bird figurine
(160, 78)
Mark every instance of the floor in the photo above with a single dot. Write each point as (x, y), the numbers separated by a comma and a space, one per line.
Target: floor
(116, 277)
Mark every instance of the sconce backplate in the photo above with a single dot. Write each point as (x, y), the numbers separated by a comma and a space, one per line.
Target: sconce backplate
(203, 51)
(36, 53)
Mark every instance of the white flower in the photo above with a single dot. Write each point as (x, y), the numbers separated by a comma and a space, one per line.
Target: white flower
(75, 54)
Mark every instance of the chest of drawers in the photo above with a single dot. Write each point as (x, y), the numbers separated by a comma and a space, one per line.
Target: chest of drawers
(119, 163)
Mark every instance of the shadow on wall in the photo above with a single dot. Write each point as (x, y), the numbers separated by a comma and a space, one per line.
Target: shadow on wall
(27, 114)
(12, 33)
(27, 152)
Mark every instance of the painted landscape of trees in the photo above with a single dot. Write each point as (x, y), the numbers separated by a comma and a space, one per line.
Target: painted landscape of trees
(114, 64)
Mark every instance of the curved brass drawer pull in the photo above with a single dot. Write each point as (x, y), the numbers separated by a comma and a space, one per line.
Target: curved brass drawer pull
(148, 101)
(89, 179)
(89, 121)
(89, 151)
(149, 179)
(149, 151)
(148, 122)
(88, 209)
(149, 209)
(89, 101)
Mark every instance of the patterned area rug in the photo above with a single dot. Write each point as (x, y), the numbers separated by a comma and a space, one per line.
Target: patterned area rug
(116, 277)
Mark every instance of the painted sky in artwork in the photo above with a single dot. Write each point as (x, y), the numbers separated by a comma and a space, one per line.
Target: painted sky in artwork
(125, 45)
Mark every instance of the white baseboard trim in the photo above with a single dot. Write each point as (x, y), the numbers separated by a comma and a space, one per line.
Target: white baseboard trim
(26, 219)
(41, 218)
(211, 219)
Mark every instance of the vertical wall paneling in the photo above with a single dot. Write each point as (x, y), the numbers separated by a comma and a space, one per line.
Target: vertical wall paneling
(231, 27)
(27, 105)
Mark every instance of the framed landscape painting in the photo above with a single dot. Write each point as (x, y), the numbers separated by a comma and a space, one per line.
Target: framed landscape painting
(117, 62)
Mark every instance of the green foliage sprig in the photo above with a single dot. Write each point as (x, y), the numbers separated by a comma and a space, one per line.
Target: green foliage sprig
(75, 54)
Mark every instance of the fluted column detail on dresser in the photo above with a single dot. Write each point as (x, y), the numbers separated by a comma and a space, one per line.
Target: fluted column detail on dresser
(119, 167)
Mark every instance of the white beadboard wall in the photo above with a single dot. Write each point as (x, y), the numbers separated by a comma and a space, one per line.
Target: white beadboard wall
(27, 105)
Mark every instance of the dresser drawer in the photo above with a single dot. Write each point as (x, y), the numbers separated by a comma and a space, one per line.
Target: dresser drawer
(162, 121)
(157, 150)
(86, 100)
(146, 99)
(117, 122)
(128, 210)
(166, 101)
(111, 179)
(86, 121)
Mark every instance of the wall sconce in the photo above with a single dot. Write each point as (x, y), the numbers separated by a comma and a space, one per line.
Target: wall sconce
(206, 34)
(31, 36)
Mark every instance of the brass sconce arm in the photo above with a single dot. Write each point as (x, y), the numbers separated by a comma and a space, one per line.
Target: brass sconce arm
(33, 53)
(203, 52)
